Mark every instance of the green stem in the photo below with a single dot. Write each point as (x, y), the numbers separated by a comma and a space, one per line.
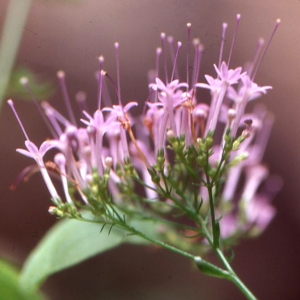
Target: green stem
(228, 273)
(232, 275)
(212, 210)
(234, 278)
(14, 23)
(247, 293)
(119, 222)
(157, 242)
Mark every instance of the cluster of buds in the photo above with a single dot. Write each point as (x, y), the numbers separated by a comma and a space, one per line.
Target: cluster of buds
(182, 159)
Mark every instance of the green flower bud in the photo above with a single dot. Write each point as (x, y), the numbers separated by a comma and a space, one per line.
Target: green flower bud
(210, 269)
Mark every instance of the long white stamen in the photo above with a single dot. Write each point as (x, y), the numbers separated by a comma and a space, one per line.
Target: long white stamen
(11, 104)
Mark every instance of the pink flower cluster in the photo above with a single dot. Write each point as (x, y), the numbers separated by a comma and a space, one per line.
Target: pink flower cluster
(108, 139)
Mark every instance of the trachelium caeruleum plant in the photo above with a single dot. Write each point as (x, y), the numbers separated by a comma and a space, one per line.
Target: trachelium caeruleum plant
(187, 175)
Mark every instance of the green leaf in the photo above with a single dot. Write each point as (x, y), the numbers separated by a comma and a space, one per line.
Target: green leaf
(70, 242)
(9, 284)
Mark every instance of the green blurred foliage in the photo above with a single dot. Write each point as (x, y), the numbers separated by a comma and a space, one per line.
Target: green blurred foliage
(41, 90)
(9, 285)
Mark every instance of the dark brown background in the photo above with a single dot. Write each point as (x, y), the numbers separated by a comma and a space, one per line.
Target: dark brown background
(70, 37)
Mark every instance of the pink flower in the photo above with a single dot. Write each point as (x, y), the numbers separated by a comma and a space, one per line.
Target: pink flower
(38, 154)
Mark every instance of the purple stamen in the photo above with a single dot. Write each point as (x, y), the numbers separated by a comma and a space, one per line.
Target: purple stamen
(188, 25)
(278, 21)
(197, 60)
(170, 40)
(224, 27)
(11, 104)
(158, 54)
(24, 82)
(81, 100)
(100, 84)
(62, 81)
(118, 73)
(163, 50)
(179, 44)
(238, 18)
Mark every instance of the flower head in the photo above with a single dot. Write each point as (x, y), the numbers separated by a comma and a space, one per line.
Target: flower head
(189, 156)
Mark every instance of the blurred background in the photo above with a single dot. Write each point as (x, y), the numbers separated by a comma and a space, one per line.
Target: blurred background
(70, 35)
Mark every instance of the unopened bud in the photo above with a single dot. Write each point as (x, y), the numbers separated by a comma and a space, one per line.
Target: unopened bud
(108, 162)
(246, 133)
(199, 114)
(231, 114)
(55, 211)
(170, 134)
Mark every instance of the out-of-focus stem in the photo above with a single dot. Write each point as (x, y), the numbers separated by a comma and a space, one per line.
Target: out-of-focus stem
(14, 23)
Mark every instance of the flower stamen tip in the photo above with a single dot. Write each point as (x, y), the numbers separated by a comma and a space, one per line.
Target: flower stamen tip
(61, 74)
(24, 80)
